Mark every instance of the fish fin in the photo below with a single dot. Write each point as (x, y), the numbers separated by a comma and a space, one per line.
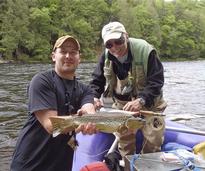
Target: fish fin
(56, 133)
(73, 143)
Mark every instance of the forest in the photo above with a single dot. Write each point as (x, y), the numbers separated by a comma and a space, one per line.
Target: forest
(29, 28)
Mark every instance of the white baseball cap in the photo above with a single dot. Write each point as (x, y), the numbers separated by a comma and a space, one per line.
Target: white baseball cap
(112, 30)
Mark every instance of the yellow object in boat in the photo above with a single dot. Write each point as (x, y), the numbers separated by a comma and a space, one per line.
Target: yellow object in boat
(199, 149)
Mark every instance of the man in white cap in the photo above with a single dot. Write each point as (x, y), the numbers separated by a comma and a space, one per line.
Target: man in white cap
(130, 72)
(55, 92)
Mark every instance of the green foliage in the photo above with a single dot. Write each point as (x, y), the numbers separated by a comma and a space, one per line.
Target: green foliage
(28, 29)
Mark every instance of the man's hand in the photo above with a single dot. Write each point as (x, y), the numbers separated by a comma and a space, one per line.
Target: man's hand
(87, 108)
(98, 103)
(133, 106)
(89, 128)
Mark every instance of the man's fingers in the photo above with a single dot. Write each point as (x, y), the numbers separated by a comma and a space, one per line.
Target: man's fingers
(127, 107)
(81, 112)
(97, 104)
(89, 128)
(79, 128)
(132, 106)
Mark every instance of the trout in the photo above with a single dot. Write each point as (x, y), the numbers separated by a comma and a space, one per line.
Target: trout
(104, 121)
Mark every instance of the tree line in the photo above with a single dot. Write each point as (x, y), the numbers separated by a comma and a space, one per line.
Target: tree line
(29, 28)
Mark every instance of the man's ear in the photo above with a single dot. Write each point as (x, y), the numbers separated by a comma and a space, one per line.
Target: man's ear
(53, 56)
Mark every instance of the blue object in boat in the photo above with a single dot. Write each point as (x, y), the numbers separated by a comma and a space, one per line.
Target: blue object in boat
(174, 146)
(92, 148)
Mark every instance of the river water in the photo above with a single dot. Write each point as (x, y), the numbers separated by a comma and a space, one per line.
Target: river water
(184, 90)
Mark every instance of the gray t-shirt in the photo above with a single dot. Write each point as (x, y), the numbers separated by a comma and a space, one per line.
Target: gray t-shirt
(35, 148)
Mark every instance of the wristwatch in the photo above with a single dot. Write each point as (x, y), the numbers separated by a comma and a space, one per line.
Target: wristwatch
(141, 101)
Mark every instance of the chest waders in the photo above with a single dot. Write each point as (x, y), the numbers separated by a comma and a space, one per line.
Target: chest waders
(153, 136)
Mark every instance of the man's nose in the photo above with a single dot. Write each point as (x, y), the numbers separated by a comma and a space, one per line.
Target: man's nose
(67, 55)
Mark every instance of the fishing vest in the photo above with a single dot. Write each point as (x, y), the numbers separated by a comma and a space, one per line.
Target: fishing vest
(136, 78)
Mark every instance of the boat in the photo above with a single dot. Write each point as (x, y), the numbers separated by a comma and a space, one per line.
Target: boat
(93, 148)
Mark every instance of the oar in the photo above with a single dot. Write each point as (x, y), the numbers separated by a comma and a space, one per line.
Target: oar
(184, 130)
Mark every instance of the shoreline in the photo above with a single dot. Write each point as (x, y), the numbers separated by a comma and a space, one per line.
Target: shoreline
(5, 61)
(2, 61)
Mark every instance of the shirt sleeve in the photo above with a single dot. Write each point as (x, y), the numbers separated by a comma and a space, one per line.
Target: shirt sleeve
(155, 79)
(87, 95)
(98, 79)
(41, 94)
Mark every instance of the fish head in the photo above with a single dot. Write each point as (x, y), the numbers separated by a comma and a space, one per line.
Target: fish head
(134, 123)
